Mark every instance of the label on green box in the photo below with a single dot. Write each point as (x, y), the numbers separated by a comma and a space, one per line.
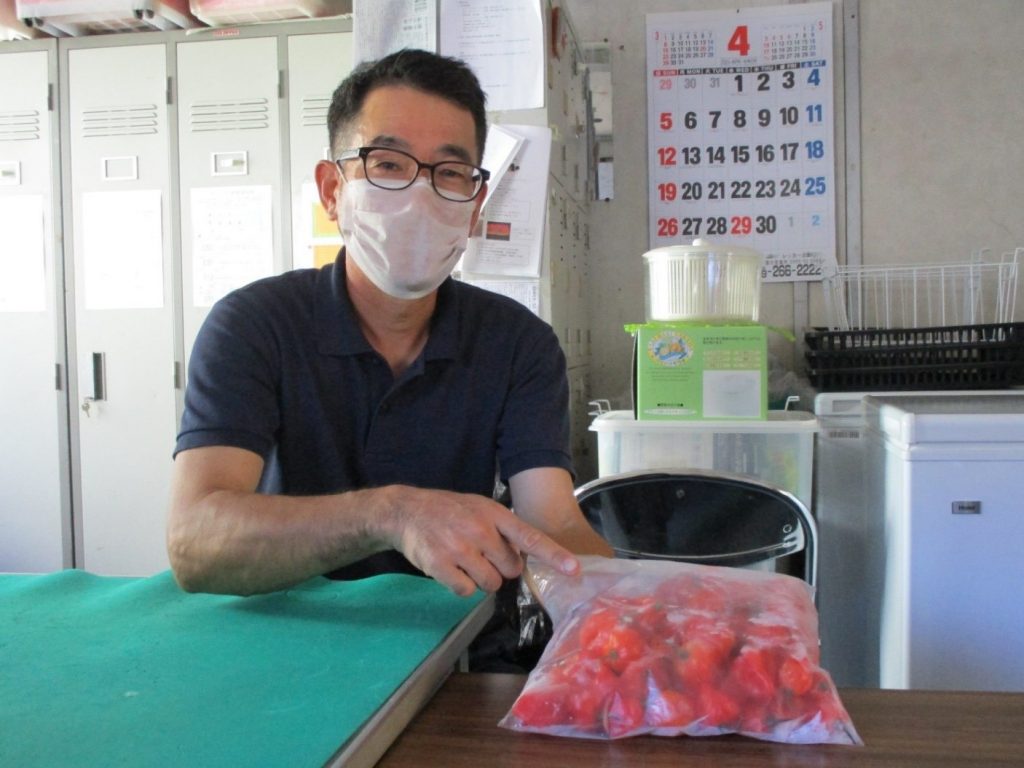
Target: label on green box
(699, 371)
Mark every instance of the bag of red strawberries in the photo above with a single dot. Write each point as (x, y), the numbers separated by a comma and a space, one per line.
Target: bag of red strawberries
(670, 648)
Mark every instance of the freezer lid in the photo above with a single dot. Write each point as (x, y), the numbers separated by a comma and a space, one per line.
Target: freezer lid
(851, 404)
(954, 417)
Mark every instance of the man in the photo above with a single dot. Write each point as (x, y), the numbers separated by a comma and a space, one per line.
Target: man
(349, 420)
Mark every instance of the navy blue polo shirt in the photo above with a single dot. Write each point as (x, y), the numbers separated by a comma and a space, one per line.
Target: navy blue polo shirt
(281, 368)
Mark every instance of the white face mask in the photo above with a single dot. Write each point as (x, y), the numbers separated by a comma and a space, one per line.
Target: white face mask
(405, 241)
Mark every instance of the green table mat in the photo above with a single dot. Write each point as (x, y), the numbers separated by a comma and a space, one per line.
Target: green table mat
(110, 671)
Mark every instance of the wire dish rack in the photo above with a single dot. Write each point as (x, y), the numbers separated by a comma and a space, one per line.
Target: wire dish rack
(936, 326)
(987, 356)
(980, 291)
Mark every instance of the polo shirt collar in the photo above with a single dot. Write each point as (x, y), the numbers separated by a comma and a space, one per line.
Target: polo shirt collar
(338, 332)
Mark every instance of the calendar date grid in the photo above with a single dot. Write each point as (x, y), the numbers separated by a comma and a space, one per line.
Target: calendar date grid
(741, 146)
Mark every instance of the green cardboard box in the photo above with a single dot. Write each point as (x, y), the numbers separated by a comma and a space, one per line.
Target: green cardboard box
(699, 371)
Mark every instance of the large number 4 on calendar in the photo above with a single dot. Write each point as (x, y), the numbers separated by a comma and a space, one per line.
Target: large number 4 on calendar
(739, 41)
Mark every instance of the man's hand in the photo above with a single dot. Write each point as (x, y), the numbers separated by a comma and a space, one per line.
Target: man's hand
(467, 541)
(224, 537)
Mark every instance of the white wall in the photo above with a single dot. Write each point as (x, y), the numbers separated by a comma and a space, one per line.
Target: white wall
(942, 116)
(942, 151)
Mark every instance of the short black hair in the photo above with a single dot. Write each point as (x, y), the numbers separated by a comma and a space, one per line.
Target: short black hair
(431, 73)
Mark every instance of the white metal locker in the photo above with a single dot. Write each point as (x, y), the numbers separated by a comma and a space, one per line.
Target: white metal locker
(35, 519)
(124, 413)
(230, 166)
(317, 63)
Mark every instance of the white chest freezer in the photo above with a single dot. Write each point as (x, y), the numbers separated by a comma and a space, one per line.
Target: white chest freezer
(944, 490)
(848, 590)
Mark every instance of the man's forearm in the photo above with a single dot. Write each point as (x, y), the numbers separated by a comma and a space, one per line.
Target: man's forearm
(244, 543)
(240, 542)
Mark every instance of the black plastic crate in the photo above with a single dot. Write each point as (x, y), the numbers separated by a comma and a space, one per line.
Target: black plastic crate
(946, 357)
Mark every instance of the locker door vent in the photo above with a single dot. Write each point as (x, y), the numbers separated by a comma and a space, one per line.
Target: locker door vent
(19, 125)
(130, 120)
(313, 111)
(240, 114)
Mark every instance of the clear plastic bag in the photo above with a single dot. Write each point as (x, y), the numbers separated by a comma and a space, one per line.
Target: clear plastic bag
(669, 648)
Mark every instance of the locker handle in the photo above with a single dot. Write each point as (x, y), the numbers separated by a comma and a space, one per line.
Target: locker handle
(99, 376)
(99, 382)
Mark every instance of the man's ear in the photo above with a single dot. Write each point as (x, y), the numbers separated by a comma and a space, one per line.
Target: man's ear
(328, 180)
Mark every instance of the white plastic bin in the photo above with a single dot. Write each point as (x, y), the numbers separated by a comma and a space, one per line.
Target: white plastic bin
(779, 451)
(221, 12)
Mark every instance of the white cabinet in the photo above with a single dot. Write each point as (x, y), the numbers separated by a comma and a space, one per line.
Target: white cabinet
(252, 117)
(316, 65)
(35, 523)
(118, 203)
(166, 165)
(230, 162)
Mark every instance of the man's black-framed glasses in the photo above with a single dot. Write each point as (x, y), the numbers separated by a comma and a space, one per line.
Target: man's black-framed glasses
(394, 169)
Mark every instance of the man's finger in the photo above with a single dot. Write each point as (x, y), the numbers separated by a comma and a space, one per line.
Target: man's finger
(530, 541)
(454, 578)
(483, 573)
(502, 556)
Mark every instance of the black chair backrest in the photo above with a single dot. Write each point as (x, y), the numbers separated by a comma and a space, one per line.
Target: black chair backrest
(695, 516)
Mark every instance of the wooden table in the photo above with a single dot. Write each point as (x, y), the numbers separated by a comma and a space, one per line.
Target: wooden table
(901, 729)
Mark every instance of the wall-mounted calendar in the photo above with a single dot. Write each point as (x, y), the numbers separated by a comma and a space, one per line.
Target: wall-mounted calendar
(740, 133)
